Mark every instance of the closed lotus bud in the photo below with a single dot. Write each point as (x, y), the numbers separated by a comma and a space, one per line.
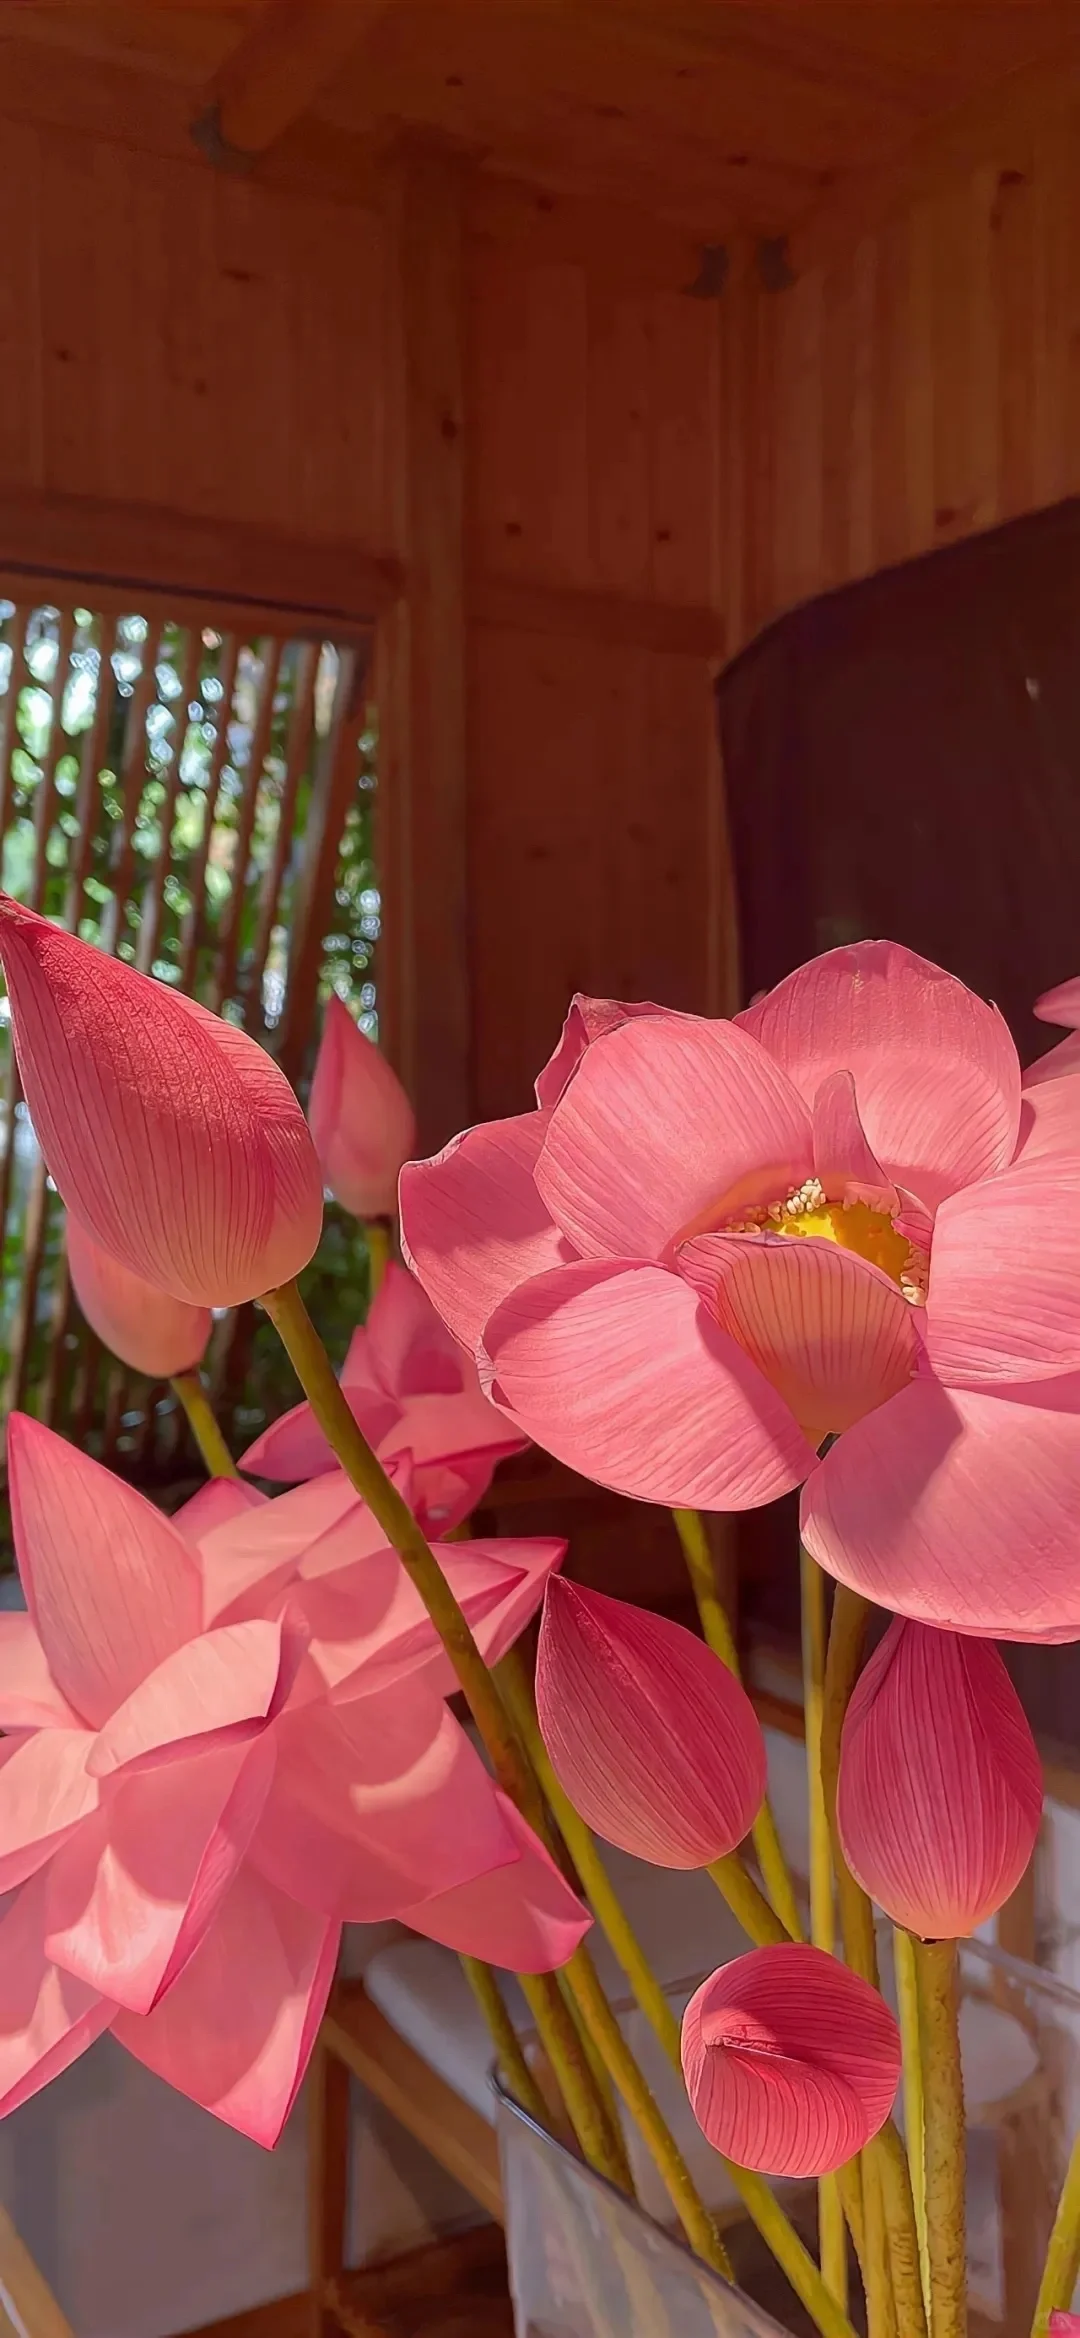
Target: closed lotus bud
(361, 1118)
(145, 1328)
(651, 1737)
(791, 2061)
(940, 1791)
(175, 1142)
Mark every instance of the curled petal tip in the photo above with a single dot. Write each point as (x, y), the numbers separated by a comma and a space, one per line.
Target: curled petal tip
(791, 2061)
(361, 1119)
(652, 1738)
(175, 1142)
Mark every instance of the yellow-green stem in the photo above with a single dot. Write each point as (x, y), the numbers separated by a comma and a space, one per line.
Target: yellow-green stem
(1062, 2268)
(377, 1238)
(877, 2271)
(760, 2203)
(640, 2102)
(748, 1905)
(886, 2153)
(513, 2068)
(832, 2234)
(515, 1775)
(937, 1967)
(717, 1630)
(596, 2063)
(188, 1387)
(907, 1991)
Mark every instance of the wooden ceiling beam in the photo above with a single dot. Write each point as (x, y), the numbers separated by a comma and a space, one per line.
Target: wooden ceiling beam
(287, 54)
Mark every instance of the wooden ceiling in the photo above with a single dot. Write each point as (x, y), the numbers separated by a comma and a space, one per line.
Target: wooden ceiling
(712, 115)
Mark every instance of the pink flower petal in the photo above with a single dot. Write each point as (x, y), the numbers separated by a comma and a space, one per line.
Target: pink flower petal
(411, 1351)
(623, 1374)
(377, 1804)
(47, 2018)
(294, 1447)
(361, 1119)
(652, 1738)
(831, 1334)
(29, 1697)
(219, 1501)
(1062, 2324)
(523, 1917)
(110, 1584)
(1004, 1274)
(791, 2061)
(935, 1070)
(1056, 1063)
(668, 1124)
(958, 1507)
(235, 2032)
(842, 1158)
(587, 1020)
(1049, 1121)
(219, 1687)
(45, 1792)
(143, 1326)
(173, 1138)
(369, 1626)
(1061, 1005)
(449, 1428)
(249, 1559)
(473, 1224)
(940, 1795)
(132, 1895)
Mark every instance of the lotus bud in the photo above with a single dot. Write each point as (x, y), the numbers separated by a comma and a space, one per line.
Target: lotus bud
(791, 2061)
(940, 1792)
(175, 1142)
(361, 1119)
(651, 1737)
(1062, 2324)
(144, 1327)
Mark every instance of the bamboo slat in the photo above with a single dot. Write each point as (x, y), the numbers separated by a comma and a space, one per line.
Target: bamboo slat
(224, 974)
(153, 897)
(45, 803)
(297, 752)
(133, 781)
(194, 922)
(332, 792)
(18, 677)
(93, 755)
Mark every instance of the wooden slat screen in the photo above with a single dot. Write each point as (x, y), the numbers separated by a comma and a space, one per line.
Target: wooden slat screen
(191, 798)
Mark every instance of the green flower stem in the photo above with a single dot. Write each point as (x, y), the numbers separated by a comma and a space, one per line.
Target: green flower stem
(748, 1905)
(937, 1966)
(881, 2317)
(720, 1638)
(377, 1238)
(513, 2068)
(760, 2203)
(1062, 2268)
(832, 2234)
(188, 1387)
(907, 1989)
(886, 2153)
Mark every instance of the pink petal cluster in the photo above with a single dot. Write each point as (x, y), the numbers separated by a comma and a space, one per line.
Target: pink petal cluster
(360, 1117)
(414, 1391)
(791, 2061)
(147, 1329)
(186, 1818)
(940, 1793)
(716, 1244)
(654, 1741)
(176, 1144)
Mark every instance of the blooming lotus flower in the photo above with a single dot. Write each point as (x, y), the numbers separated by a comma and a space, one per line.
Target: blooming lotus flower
(176, 1143)
(725, 1242)
(940, 1792)
(185, 1822)
(360, 1117)
(320, 1553)
(791, 2061)
(652, 1738)
(413, 1390)
(143, 1326)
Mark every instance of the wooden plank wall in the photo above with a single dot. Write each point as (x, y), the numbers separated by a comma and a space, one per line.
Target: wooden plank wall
(917, 382)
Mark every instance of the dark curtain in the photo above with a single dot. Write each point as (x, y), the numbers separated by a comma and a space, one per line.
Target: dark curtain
(903, 758)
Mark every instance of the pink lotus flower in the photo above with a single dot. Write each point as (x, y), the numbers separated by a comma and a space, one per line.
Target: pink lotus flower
(320, 1554)
(186, 1822)
(1061, 2324)
(718, 1243)
(940, 1795)
(413, 1390)
(654, 1741)
(791, 2061)
(360, 1117)
(175, 1142)
(143, 1326)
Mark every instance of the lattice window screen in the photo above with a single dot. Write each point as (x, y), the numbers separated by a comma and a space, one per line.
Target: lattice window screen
(199, 801)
